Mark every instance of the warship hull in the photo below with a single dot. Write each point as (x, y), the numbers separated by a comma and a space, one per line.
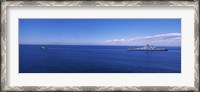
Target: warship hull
(134, 49)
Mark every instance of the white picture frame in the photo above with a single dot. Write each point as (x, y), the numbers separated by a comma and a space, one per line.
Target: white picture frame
(5, 72)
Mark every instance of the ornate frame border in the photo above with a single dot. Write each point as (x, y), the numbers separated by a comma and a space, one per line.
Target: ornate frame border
(5, 4)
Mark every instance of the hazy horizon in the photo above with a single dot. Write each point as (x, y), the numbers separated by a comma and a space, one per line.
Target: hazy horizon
(97, 45)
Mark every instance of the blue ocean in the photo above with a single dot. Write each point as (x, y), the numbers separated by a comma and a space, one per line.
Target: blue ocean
(97, 59)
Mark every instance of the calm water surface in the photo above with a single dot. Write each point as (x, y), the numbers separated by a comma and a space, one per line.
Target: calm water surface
(97, 59)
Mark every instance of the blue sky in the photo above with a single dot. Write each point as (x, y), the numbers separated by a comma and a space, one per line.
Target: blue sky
(164, 32)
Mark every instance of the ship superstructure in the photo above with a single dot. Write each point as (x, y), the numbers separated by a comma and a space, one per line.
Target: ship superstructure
(148, 48)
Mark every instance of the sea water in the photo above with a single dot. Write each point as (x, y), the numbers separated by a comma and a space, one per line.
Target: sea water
(97, 59)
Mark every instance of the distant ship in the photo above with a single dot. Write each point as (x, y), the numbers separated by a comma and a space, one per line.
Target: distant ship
(147, 48)
(43, 47)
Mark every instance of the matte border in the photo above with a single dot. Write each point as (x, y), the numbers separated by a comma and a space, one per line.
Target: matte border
(5, 4)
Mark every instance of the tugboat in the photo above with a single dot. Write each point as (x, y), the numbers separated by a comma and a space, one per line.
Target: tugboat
(147, 48)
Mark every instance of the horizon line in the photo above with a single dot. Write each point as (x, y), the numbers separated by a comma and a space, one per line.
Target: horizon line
(99, 45)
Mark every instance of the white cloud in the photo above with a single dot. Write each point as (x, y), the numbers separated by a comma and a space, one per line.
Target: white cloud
(169, 39)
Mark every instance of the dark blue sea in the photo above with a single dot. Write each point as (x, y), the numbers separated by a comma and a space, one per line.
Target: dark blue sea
(97, 59)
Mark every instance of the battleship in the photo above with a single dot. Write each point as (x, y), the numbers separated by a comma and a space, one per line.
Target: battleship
(148, 48)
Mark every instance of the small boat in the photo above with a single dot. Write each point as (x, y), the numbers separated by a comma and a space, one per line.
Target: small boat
(148, 48)
(43, 47)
